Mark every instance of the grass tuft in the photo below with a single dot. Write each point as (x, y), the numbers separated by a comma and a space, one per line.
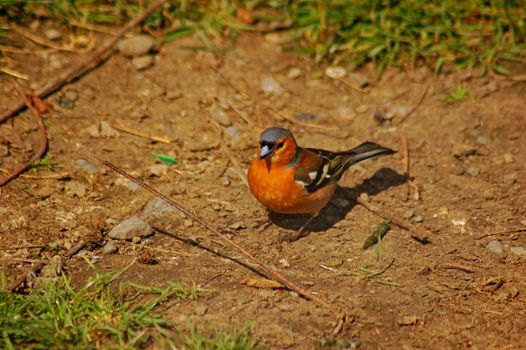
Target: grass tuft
(458, 93)
(59, 317)
(470, 33)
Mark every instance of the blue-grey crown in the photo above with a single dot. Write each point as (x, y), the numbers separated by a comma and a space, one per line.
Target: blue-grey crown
(271, 135)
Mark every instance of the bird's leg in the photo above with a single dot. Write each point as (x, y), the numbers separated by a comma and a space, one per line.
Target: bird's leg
(300, 233)
(267, 222)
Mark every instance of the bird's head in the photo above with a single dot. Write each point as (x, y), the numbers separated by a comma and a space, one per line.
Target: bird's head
(277, 146)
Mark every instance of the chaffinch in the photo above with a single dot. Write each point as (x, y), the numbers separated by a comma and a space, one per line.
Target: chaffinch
(289, 179)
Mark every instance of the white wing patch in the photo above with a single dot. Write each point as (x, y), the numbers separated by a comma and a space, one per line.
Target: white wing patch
(304, 184)
(313, 174)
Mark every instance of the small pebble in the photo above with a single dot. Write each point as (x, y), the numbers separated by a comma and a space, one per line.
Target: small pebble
(174, 94)
(482, 140)
(142, 62)
(136, 240)
(418, 218)
(225, 181)
(93, 130)
(221, 117)
(284, 263)
(129, 228)
(87, 166)
(135, 46)
(518, 250)
(335, 72)
(294, 73)
(271, 87)
(238, 225)
(407, 321)
(473, 171)
(340, 203)
(408, 214)
(362, 109)
(495, 247)
(523, 222)
(158, 170)
(510, 179)
(109, 248)
(4, 151)
(107, 131)
(75, 188)
(364, 197)
(233, 133)
(509, 158)
(53, 34)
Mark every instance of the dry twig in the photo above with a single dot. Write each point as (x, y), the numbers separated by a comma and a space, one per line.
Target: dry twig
(415, 107)
(43, 135)
(144, 135)
(513, 230)
(91, 61)
(267, 271)
(407, 163)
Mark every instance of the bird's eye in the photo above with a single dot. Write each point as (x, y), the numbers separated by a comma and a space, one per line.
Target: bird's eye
(281, 144)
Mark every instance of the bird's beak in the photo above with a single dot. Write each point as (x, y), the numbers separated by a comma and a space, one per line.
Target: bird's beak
(265, 152)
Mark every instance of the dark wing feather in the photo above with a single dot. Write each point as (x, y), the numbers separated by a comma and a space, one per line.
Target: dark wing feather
(335, 164)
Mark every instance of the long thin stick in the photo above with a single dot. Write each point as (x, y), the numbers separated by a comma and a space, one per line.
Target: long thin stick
(270, 273)
(43, 136)
(92, 61)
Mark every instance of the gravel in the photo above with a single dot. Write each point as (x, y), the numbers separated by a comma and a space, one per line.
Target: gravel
(138, 45)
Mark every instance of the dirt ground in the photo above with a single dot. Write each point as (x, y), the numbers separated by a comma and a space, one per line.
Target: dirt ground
(464, 288)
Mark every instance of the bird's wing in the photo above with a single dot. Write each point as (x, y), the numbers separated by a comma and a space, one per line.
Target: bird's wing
(320, 167)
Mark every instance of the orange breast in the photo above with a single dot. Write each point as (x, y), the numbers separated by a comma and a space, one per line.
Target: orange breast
(277, 190)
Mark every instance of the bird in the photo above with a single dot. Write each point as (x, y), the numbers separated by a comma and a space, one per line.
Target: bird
(289, 179)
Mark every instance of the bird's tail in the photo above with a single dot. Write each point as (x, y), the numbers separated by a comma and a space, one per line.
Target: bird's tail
(367, 150)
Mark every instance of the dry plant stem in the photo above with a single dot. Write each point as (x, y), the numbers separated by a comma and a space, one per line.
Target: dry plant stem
(91, 61)
(39, 265)
(265, 108)
(270, 273)
(36, 39)
(415, 107)
(407, 164)
(141, 134)
(415, 233)
(352, 86)
(513, 230)
(43, 135)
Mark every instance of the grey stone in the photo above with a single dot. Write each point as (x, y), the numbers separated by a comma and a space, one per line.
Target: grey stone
(156, 208)
(110, 248)
(482, 140)
(75, 188)
(495, 247)
(418, 218)
(87, 166)
(135, 46)
(271, 87)
(131, 227)
(142, 62)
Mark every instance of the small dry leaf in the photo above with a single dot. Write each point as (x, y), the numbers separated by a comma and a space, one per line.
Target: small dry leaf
(262, 283)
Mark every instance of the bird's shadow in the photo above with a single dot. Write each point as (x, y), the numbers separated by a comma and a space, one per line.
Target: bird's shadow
(383, 179)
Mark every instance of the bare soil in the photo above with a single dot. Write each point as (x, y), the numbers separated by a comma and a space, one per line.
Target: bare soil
(467, 159)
